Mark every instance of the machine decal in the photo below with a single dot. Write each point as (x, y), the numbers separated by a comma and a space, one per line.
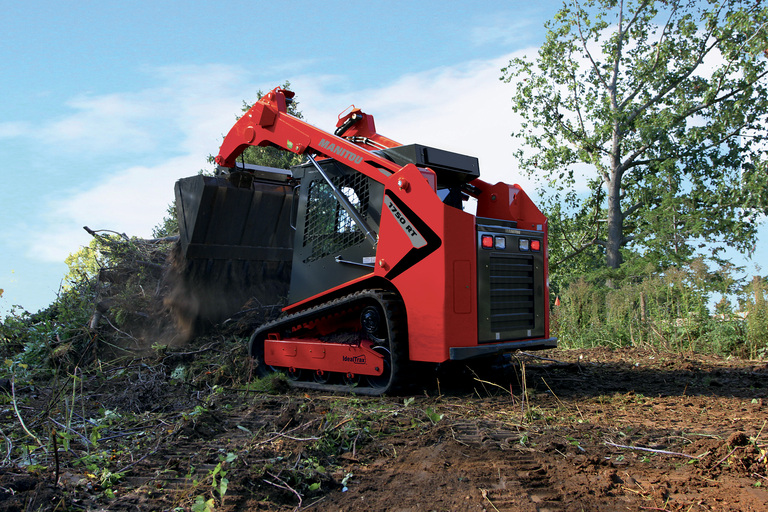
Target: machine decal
(416, 254)
(416, 239)
(343, 153)
(354, 359)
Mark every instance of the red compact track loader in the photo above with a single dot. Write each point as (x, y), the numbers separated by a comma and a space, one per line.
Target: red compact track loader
(369, 248)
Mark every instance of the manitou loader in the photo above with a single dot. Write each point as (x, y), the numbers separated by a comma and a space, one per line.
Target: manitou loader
(369, 248)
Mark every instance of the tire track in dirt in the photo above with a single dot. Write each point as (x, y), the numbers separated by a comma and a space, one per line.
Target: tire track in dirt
(518, 482)
(192, 450)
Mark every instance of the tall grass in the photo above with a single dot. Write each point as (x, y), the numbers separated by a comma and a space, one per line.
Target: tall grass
(665, 310)
(757, 319)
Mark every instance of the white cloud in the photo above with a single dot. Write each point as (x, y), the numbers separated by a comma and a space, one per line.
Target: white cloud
(161, 134)
(102, 124)
(132, 201)
(464, 108)
(502, 30)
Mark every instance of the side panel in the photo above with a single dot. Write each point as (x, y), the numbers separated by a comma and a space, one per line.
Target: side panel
(427, 250)
(463, 302)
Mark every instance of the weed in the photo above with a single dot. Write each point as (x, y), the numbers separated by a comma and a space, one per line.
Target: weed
(271, 384)
(201, 505)
(218, 482)
(757, 320)
(433, 415)
(667, 309)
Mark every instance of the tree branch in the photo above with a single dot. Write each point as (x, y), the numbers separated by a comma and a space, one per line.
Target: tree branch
(579, 251)
(673, 84)
(632, 209)
(583, 42)
(657, 59)
(630, 161)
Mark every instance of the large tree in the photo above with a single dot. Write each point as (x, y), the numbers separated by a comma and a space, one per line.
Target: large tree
(664, 104)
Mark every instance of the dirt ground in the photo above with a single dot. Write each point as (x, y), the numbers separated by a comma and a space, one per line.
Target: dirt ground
(577, 430)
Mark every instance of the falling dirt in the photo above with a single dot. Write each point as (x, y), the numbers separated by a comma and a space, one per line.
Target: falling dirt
(559, 430)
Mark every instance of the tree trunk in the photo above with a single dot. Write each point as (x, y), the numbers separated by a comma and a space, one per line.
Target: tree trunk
(615, 235)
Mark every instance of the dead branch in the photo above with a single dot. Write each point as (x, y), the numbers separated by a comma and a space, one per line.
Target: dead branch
(18, 414)
(284, 486)
(534, 356)
(653, 450)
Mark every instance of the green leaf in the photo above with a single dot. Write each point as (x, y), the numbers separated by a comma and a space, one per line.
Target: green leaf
(433, 415)
(201, 505)
(223, 487)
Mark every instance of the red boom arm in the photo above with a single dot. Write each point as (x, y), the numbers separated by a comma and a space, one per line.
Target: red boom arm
(268, 123)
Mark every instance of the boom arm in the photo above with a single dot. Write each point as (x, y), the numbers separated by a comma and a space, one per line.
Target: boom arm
(268, 123)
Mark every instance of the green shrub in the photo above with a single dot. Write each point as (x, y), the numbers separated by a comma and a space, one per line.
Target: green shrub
(665, 310)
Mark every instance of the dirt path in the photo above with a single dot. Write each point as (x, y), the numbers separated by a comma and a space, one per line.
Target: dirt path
(589, 430)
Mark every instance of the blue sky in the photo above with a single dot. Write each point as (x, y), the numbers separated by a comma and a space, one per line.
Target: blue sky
(106, 104)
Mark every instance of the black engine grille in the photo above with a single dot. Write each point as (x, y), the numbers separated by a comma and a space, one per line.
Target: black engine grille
(512, 292)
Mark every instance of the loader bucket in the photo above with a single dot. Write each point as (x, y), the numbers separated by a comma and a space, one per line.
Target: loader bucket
(235, 247)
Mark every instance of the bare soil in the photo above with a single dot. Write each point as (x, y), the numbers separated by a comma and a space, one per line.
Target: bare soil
(579, 430)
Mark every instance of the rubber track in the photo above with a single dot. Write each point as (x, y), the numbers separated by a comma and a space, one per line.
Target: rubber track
(394, 313)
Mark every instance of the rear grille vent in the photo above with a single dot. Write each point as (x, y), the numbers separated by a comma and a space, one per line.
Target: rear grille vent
(512, 292)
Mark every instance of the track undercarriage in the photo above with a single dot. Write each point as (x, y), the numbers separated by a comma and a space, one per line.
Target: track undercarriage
(356, 343)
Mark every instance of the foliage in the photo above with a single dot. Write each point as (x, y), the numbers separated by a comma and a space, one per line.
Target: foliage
(663, 104)
(169, 226)
(757, 318)
(85, 263)
(49, 338)
(666, 310)
(109, 278)
(217, 478)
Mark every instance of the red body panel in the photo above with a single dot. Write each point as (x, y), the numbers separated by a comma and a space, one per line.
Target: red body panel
(440, 291)
(502, 201)
(329, 357)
